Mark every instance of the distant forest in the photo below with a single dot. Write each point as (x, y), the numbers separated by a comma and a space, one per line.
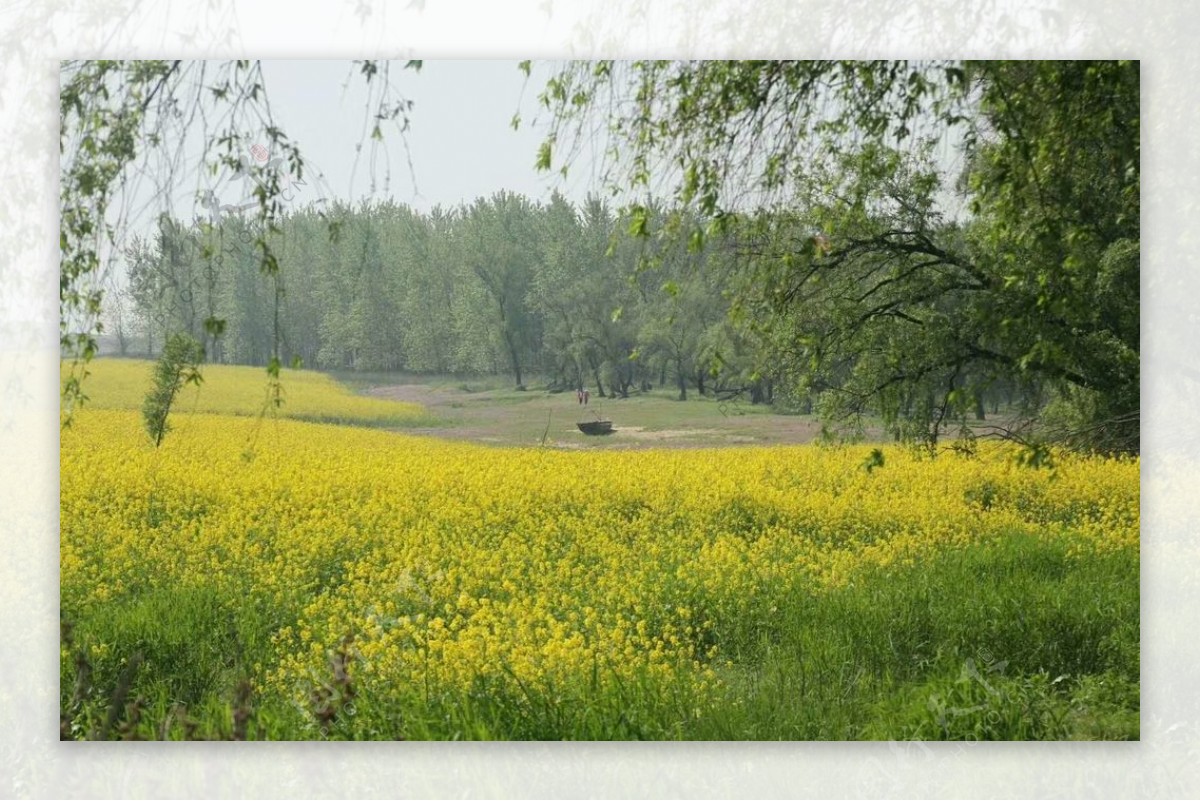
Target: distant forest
(504, 285)
(797, 250)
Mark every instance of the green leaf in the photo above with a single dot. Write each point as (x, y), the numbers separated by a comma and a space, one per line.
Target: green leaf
(543, 157)
(639, 221)
(214, 326)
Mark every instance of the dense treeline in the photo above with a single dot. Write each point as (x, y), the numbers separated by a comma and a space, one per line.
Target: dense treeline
(903, 306)
(504, 285)
(810, 241)
(838, 278)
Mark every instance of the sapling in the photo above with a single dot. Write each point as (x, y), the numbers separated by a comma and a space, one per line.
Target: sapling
(178, 365)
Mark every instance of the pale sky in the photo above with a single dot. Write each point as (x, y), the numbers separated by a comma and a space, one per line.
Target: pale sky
(461, 142)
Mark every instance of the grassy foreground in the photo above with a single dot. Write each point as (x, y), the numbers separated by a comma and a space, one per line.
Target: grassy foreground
(349, 583)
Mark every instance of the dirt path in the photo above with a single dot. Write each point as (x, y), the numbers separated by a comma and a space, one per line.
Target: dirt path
(507, 417)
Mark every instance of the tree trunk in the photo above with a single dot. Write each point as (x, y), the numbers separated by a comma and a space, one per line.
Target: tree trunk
(979, 411)
(682, 379)
(512, 354)
(596, 377)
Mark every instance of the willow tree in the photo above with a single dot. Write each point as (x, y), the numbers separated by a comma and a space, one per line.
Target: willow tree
(128, 129)
(910, 235)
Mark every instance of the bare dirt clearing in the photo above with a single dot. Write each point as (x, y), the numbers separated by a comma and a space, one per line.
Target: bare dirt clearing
(650, 420)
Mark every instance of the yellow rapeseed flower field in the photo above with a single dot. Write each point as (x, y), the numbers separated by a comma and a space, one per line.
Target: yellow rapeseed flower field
(234, 389)
(448, 570)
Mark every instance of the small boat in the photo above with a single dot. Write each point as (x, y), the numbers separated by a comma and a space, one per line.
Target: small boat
(596, 427)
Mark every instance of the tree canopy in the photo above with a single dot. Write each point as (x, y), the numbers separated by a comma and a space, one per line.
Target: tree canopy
(892, 239)
(500, 285)
(884, 279)
(121, 122)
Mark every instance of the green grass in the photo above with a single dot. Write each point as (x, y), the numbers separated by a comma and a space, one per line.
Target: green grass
(1015, 640)
(978, 631)
(463, 383)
